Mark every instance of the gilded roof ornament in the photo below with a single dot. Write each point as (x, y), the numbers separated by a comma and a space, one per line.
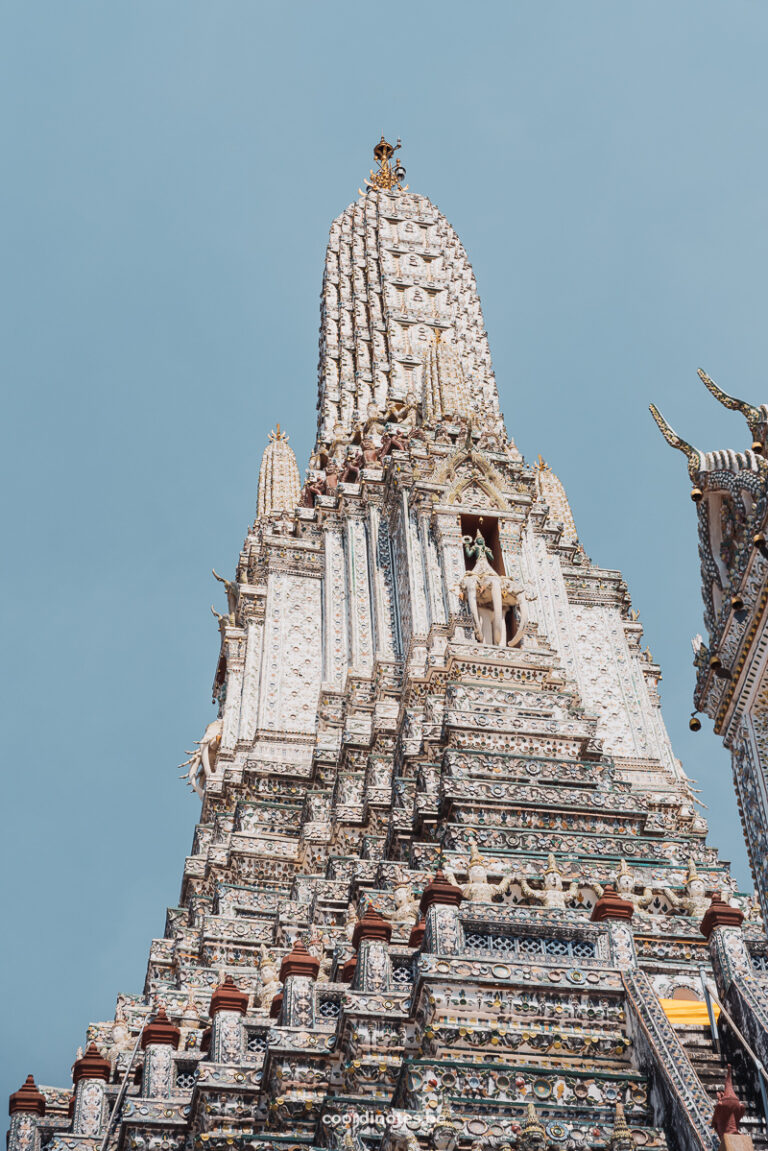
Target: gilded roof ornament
(389, 176)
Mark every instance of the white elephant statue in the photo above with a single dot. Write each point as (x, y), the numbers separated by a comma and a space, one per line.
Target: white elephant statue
(490, 596)
(202, 761)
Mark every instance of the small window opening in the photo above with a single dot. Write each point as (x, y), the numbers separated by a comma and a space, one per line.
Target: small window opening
(489, 526)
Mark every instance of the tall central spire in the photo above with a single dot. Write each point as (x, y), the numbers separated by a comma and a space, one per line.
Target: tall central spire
(397, 281)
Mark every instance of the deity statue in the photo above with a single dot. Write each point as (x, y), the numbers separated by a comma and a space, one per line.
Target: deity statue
(373, 427)
(403, 412)
(752, 910)
(121, 1037)
(552, 894)
(270, 984)
(490, 595)
(695, 901)
(350, 473)
(340, 440)
(368, 454)
(478, 889)
(312, 488)
(393, 441)
(190, 1016)
(350, 921)
(331, 478)
(625, 888)
(406, 909)
(315, 944)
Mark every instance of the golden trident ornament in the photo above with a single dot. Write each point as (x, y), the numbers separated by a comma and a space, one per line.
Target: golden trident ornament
(389, 176)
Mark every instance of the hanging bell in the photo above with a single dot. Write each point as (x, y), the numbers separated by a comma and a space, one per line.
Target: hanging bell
(697, 495)
(694, 722)
(737, 603)
(758, 448)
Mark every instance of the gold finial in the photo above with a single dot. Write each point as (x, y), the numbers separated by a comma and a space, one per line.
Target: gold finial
(277, 435)
(389, 176)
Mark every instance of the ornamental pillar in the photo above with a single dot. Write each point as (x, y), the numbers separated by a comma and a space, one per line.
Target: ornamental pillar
(25, 1107)
(721, 927)
(616, 913)
(298, 973)
(159, 1040)
(373, 971)
(740, 993)
(90, 1076)
(443, 933)
(228, 1006)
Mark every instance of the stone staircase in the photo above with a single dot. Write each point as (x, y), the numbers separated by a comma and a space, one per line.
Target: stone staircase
(711, 1071)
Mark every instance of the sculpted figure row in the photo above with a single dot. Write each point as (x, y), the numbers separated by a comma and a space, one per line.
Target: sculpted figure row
(554, 891)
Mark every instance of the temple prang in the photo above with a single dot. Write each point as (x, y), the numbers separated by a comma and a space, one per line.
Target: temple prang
(450, 888)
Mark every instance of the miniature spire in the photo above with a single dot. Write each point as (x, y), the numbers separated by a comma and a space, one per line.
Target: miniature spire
(27, 1098)
(92, 1065)
(551, 490)
(621, 1139)
(279, 482)
(532, 1135)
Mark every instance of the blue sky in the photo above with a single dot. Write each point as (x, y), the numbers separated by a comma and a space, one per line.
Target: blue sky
(170, 172)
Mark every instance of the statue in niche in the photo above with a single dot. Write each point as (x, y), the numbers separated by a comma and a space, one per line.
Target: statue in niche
(406, 909)
(202, 761)
(270, 984)
(350, 922)
(478, 889)
(315, 944)
(491, 596)
(695, 901)
(553, 895)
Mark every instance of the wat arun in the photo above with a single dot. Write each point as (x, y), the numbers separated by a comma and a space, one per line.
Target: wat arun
(450, 888)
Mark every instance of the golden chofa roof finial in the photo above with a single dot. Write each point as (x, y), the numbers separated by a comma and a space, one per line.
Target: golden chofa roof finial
(390, 175)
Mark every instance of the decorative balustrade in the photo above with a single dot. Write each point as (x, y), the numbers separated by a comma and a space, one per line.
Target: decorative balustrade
(527, 946)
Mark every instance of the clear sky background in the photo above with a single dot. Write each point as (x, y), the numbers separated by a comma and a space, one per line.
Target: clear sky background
(169, 174)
